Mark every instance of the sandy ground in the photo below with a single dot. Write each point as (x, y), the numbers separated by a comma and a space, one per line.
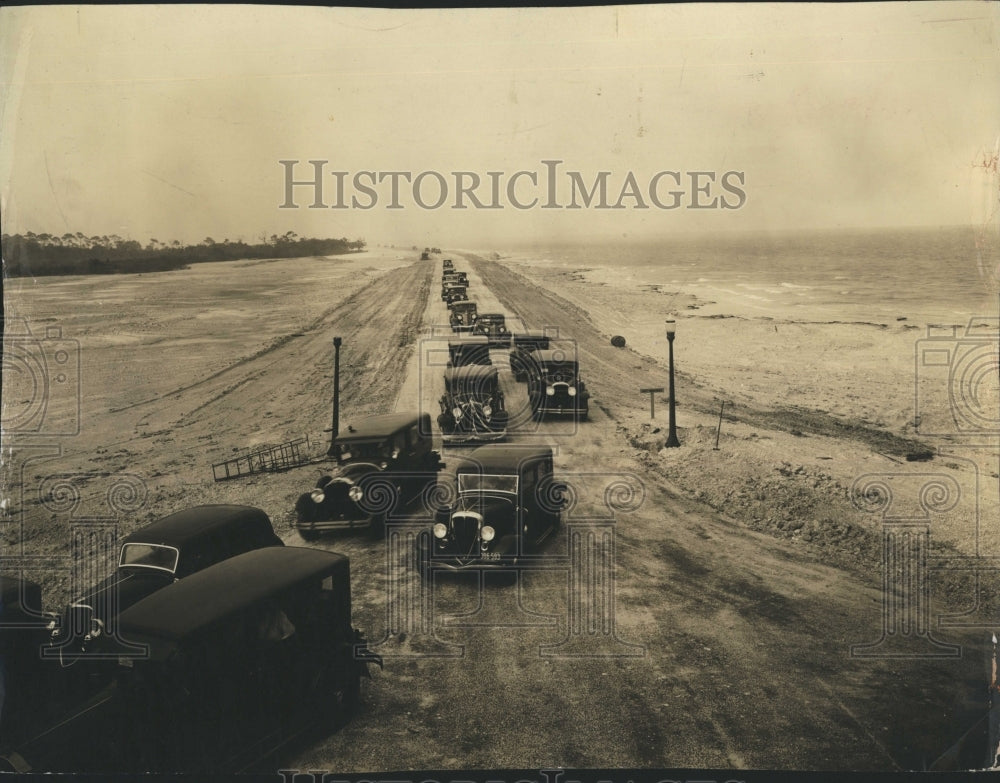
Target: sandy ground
(740, 582)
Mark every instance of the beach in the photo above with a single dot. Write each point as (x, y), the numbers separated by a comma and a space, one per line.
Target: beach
(751, 554)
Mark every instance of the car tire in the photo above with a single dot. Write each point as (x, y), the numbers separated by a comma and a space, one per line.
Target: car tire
(305, 508)
(307, 534)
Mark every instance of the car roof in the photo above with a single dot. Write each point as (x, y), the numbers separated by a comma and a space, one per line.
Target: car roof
(183, 526)
(470, 372)
(554, 355)
(207, 597)
(506, 457)
(374, 427)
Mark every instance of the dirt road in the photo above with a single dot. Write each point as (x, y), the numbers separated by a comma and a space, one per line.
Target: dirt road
(716, 646)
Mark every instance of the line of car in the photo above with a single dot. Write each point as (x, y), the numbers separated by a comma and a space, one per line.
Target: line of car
(503, 502)
(230, 644)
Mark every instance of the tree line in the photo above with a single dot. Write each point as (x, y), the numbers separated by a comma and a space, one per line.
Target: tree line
(37, 255)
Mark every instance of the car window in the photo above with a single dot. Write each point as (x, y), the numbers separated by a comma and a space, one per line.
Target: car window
(149, 556)
(486, 482)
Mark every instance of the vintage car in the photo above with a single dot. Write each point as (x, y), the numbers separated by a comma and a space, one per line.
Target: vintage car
(554, 386)
(23, 634)
(453, 292)
(448, 264)
(237, 661)
(472, 407)
(383, 463)
(521, 347)
(462, 315)
(468, 349)
(493, 327)
(153, 557)
(507, 505)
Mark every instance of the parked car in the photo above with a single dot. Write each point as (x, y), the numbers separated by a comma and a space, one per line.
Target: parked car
(24, 633)
(521, 347)
(383, 462)
(467, 350)
(554, 386)
(493, 327)
(239, 659)
(472, 407)
(462, 316)
(448, 264)
(507, 505)
(154, 557)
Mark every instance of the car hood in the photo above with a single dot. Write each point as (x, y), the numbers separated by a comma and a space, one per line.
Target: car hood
(491, 507)
(355, 471)
(120, 590)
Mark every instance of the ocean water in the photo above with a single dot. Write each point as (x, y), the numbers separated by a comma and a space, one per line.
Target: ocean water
(927, 276)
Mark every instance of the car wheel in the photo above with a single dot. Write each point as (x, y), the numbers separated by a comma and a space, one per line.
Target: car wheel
(307, 534)
(305, 508)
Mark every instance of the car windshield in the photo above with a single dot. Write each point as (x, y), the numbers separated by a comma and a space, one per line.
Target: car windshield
(149, 556)
(565, 370)
(486, 482)
(363, 450)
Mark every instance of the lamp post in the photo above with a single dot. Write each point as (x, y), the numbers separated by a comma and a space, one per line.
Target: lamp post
(336, 395)
(672, 437)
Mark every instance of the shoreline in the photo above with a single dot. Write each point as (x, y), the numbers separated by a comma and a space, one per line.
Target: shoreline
(806, 402)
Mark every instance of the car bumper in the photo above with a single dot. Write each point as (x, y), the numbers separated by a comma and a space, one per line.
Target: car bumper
(564, 409)
(484, 436)
(455, 565)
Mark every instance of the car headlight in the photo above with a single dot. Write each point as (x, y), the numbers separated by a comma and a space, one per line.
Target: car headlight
(355, 493)
(440, 530)
(487, 410)
(571, 391)
(318, 495)
(457, 413)
(550, 390)
(487, 533)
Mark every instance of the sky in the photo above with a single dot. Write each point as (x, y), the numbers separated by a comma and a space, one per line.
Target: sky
(170, 122)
